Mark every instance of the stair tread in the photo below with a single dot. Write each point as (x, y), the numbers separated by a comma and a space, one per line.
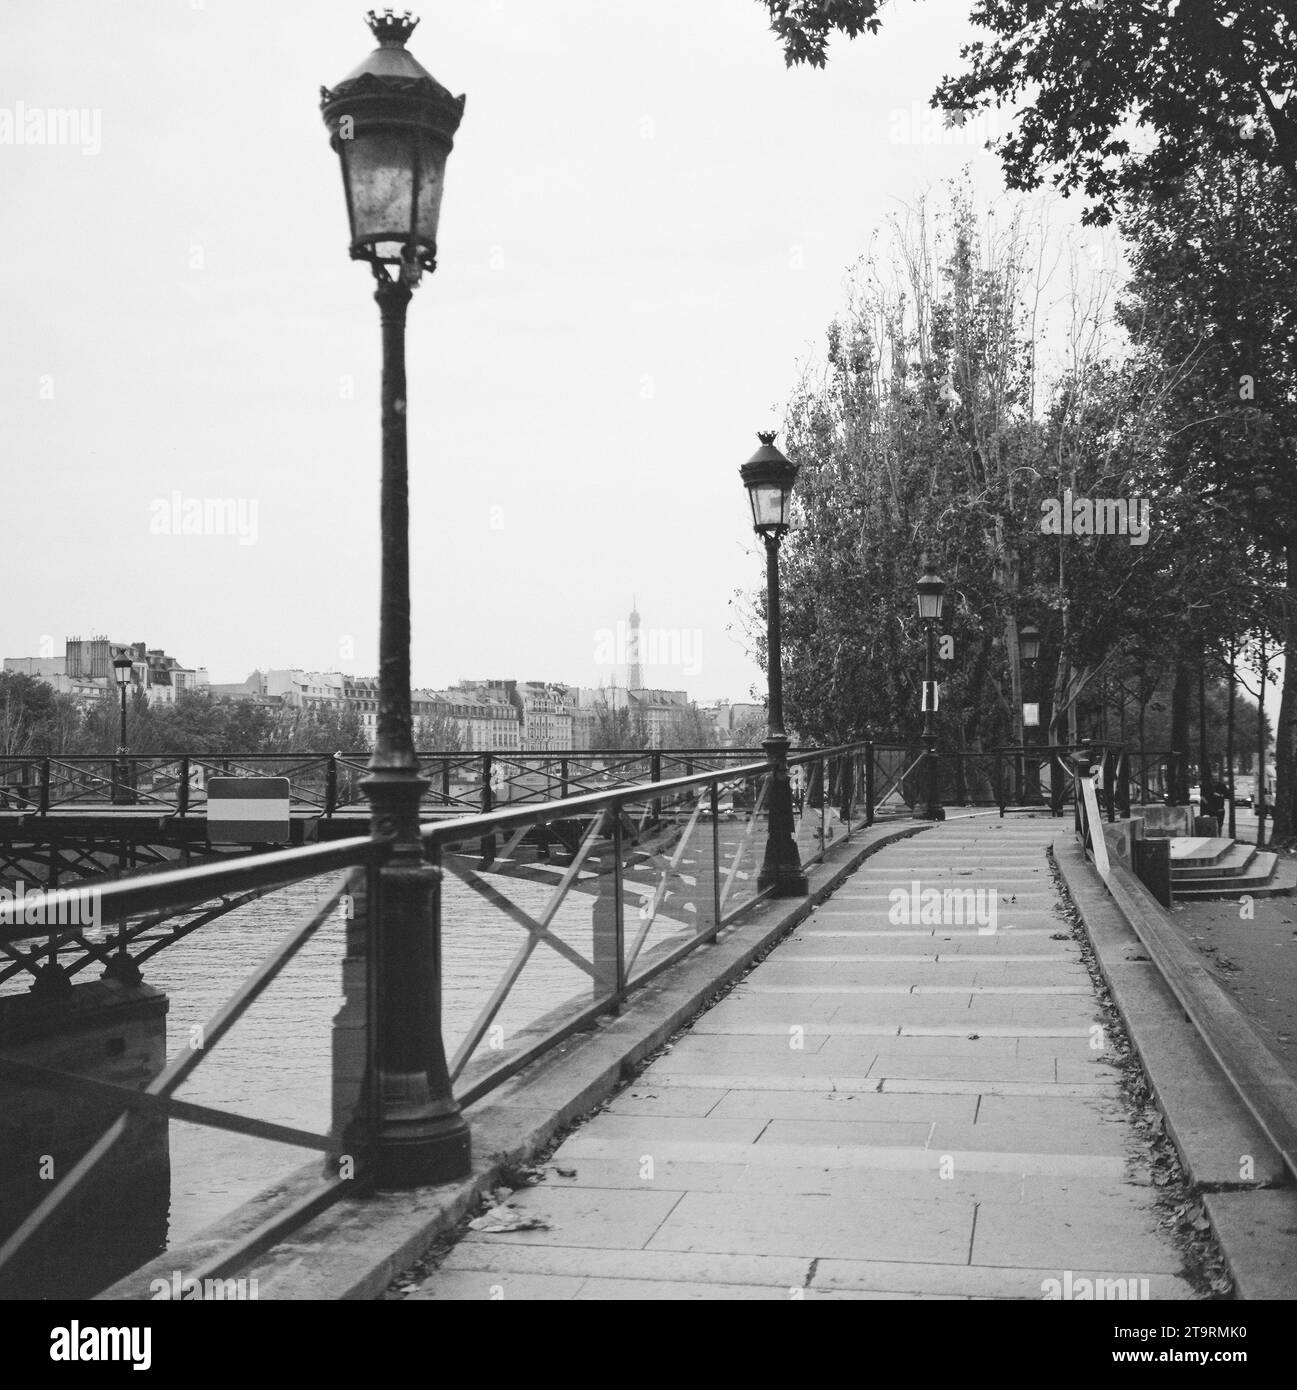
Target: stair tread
(1239, 859)
(1266, 873)
(1198, 849)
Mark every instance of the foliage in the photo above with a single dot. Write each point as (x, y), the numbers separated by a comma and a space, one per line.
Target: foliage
(1116, 96)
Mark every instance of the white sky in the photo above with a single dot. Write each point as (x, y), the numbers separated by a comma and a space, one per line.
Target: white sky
(647, 223)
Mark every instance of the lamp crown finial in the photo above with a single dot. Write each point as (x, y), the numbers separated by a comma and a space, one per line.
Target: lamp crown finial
(391, 30)
(767, 437)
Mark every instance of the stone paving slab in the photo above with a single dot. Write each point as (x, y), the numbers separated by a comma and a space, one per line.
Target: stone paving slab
(831, 1177)
(878, 1110)
(869, 1106)
(819, 1227)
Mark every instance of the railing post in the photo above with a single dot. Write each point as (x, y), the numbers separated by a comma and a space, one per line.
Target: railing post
(445, 781)
(1081, 766)
(488, 840)
(619, 913)
(331, 786)
(655, 775)
(869, 781)
(562, 773)
(1122, 777)
(716, 862)
(182, 792)
(45, 787)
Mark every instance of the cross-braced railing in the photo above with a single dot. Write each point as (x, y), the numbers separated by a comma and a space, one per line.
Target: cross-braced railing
(585, 900)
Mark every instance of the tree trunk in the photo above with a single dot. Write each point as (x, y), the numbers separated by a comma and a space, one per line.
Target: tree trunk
(1285, 742)
(1258, 797)
(1229, 745)
(1206, 781)
(1180, 698)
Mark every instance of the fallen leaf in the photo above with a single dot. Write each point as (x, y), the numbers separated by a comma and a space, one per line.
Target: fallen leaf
(501, 1219)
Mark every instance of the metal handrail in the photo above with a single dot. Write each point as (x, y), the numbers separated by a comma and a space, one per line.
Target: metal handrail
(670, 813)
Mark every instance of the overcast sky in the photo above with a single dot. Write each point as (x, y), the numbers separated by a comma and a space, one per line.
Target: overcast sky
(646, 226)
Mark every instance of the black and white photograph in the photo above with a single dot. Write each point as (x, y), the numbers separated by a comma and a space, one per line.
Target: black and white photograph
(647, 656)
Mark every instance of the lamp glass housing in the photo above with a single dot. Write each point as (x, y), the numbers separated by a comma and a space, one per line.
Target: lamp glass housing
(771, 505)
(392, 125)
(122, 666)
(1029, 640)
(769, 478)
(393, 176)
(931, 593)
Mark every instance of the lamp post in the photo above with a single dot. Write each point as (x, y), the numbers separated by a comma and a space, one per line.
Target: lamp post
(931, 592)
(122, 667)
(1029, 642)
(769, 478)
(392, 126)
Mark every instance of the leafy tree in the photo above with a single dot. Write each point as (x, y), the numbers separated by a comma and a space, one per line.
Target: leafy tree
(438, 733)
(690, 728)
(616, 727)
(749, 731)
(1195, 77)
(33, 718)
(1213, 291)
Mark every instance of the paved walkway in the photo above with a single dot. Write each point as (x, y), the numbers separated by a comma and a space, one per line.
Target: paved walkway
(883, 1108)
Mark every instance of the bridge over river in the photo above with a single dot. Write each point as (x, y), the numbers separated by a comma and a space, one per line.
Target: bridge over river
(888, 1104)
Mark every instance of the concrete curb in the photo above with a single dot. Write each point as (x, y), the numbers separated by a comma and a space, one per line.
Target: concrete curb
(1212, 1129)
(355, 1248)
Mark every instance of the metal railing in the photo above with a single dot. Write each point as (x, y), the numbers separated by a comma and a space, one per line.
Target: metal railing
(615, 884)
(326, 783)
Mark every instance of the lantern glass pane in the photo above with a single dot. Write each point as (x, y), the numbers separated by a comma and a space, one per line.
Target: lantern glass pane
(769, 506)
(432, 175)
(380, 181)
(929, 605)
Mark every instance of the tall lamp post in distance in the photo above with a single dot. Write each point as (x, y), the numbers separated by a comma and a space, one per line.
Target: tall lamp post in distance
(1029, 642)
(122, 667)
(392, 126)
(769, 478)
(931, 592)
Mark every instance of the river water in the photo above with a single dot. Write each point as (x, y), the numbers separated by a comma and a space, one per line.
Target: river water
(276, 1063)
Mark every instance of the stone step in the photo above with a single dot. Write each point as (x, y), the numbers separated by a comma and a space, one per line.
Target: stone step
(1236, 861)
(1267, 878)
(1193, 851)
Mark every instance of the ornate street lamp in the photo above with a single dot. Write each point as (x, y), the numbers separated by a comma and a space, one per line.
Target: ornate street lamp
(769, 478)
(1029, 643)
(392, 126)
(122, 668)
(931, 592)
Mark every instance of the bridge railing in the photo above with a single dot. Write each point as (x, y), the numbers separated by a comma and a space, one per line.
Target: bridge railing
(585, 899)
(326, 783)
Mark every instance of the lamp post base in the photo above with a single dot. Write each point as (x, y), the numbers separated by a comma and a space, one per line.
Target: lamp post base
(423, 1148)
(420, 1136)
(785, 882)
(781, 871)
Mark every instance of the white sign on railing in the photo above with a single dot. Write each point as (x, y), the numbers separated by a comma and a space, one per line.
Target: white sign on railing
(248, 810)
(1097, 843)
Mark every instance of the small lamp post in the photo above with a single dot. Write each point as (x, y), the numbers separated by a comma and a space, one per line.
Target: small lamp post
(392, 126)
(769, 478)
(122, 668)
(1029, 642)
(931, 592)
